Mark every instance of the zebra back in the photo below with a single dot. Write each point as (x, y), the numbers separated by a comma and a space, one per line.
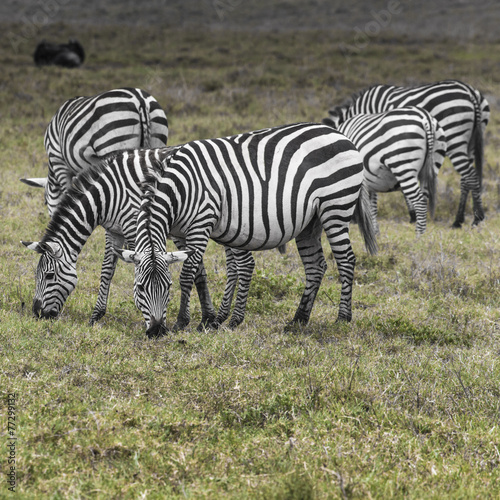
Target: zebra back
(86, 129)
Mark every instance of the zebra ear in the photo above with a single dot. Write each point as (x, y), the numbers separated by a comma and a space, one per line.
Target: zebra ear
(33, 245)
(128, 256)
(179, 256)
(52, 248)
(39, 182)
(329, 122)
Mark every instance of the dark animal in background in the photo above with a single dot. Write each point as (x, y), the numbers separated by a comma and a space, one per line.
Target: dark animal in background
(68, 55)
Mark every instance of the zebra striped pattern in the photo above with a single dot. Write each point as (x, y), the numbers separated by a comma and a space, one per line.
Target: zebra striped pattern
(400, 148)
(109, 195)
(85, 129)
(252, 191)
(462, 112)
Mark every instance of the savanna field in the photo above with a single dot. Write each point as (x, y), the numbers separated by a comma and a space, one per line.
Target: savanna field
(403, 402)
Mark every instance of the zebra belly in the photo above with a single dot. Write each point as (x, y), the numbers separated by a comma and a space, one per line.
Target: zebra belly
(257, 233)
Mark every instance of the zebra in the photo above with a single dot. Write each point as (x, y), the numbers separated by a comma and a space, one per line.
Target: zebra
(106, 194)
(252, 191)
(83, 132)
(86, 129)
(462, 112)
(400, 148)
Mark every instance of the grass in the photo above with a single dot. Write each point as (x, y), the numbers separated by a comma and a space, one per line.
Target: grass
(402, 402)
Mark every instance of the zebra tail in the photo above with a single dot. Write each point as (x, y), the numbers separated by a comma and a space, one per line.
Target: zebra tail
(428, 177)
(363, 217)
(478, 140)
(145, 128)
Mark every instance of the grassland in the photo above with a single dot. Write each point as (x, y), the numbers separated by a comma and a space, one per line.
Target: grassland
(401, 403)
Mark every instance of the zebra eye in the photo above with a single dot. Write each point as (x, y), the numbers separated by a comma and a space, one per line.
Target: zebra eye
(50, 275)
(140, 287)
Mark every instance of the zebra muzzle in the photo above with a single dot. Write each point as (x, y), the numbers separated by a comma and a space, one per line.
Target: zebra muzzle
(40, 313)
(156, 328)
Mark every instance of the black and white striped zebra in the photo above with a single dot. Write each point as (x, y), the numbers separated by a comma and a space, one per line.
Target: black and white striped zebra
(401, 148)
(462, 112)
(86, 129)
(109, 195)
(253, 191)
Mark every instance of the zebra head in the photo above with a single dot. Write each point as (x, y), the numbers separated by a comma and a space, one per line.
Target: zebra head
(55, 278)
(152, 285)
(336, 116)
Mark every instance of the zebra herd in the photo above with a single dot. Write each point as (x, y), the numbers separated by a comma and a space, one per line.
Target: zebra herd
(109, 165)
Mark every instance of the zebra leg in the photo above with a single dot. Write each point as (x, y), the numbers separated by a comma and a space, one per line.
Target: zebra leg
(411, 211)
(337, 233)
(187, 277)
(245, 267)
(201, 283)
(417, 200)
(207, 308)
(313, 259)
(232, 280)
(468, 182)
(107, 272)
(477, 204)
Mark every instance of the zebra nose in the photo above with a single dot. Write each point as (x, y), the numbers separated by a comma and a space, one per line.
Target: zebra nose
(53, 313)
(40, 313)
(156, 328)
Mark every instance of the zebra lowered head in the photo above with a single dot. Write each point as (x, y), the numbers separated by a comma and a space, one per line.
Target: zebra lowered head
(55, 278)
(152, 284)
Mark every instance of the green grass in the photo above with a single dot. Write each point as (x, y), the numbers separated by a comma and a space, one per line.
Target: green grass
(402, 402)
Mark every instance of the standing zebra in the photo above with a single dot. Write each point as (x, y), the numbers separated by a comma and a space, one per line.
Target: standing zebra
(400, 148)
(462, 112)
(86, 129)
(253, 191)
(109, 195)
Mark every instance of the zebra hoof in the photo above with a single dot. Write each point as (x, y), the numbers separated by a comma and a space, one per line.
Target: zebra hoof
(343, 319)
(206, 323)
(179, 326)
(294, 326)
(96, 316)
(456, 225)
(477, 220)
(233, 323)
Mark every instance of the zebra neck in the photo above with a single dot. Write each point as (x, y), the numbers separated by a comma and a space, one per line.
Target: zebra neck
(153, 227)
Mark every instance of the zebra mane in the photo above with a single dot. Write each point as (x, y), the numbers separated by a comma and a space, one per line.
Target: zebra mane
(80, 185)
(152, 171)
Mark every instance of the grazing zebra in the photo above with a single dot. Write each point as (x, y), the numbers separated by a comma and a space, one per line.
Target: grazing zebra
(109, 195)
(462, 112)
(253, 191)
(400, 148)
(85, 129)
